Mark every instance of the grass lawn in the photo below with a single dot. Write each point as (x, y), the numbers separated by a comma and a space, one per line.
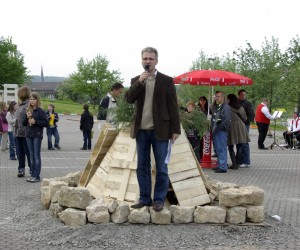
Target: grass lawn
(67, 107)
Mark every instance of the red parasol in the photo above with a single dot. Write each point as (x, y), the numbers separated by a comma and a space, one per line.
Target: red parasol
(212, 78)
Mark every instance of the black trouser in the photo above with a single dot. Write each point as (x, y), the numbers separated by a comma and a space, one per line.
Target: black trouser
(262, 133)
(289, 138)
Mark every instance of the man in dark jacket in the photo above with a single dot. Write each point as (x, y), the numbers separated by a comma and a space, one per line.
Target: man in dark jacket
(221, 117)
(156, 123)
(248, 107)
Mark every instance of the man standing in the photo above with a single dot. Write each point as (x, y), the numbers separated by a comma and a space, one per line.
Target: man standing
(109, 102)
(293, 129)
(156, 122)
(263, 117)
(248, 107)
(221, 118)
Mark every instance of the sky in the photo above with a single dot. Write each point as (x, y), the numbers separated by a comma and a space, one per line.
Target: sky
(55, 34)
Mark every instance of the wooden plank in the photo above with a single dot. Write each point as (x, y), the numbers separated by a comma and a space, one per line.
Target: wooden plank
(106, 137)
(182, 166)
(85, 174)
(96, 186)
(196, 201)
(124, 183)
(179, 176)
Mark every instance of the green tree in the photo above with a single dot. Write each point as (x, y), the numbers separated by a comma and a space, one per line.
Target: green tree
(291, 73)
(93, 78)
(12, 69)
(265, 68)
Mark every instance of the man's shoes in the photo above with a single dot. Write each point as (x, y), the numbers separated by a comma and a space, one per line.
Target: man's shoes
(214, 155)
(51, 148)
(29, 179)
(13, 159)
(138, 205)
(219, 171)
(82, 148)
(57, 146)
(34, 179)
(158, 207)
(234, 167)
(21, 174)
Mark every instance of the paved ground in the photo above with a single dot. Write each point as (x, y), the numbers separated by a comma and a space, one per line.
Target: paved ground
(276, 171)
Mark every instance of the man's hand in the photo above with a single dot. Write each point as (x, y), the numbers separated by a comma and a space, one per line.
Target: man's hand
(144, 76)
(174, 137)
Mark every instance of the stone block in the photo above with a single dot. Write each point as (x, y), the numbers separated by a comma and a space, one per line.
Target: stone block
(73, 217)
(233, 197)
(139, 216)
(236, 215)
(75, 197)
(55, 209)
(182, 214)
(45, 196)
(120, 215)
(255, 214)
(97, 212)
(209, 214)
(162, 217)
(55, 185)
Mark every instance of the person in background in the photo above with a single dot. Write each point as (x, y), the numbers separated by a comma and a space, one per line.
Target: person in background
(35, 120)
(19, 131)
(192, 133)
(107, 103)
(86, 126)
(156, 124)
(262, 118)
(238, 134)
(11, 119)
(203, 104)
(3, 125)
(52, 130)
(221, 117)
(293, 130)
(248, 107)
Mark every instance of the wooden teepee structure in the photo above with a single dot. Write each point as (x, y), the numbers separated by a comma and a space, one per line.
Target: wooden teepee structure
(111, 170)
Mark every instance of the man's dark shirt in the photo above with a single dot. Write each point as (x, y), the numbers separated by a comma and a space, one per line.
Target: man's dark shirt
(249, 111)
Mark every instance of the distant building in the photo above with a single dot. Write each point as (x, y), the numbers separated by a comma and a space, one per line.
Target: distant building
(45, 89)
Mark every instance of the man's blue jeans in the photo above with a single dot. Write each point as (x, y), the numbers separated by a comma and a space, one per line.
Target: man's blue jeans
(22, 151)
(144, 140)
(52, 132)
(220, 139)
(34, 147)
(12, 144)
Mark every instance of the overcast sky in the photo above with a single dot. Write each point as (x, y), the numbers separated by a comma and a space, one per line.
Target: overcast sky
(57, 33)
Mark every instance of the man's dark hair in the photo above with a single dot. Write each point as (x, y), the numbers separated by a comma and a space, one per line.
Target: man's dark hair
(242, 90)
(86, 107)
(116, 86)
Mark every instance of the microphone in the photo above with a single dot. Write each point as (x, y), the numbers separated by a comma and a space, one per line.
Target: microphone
(147, 68)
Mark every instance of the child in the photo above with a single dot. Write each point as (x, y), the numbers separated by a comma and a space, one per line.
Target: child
(3, 125)
(52, 129)
(86, 125)
(35, 120)
(11, 119)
